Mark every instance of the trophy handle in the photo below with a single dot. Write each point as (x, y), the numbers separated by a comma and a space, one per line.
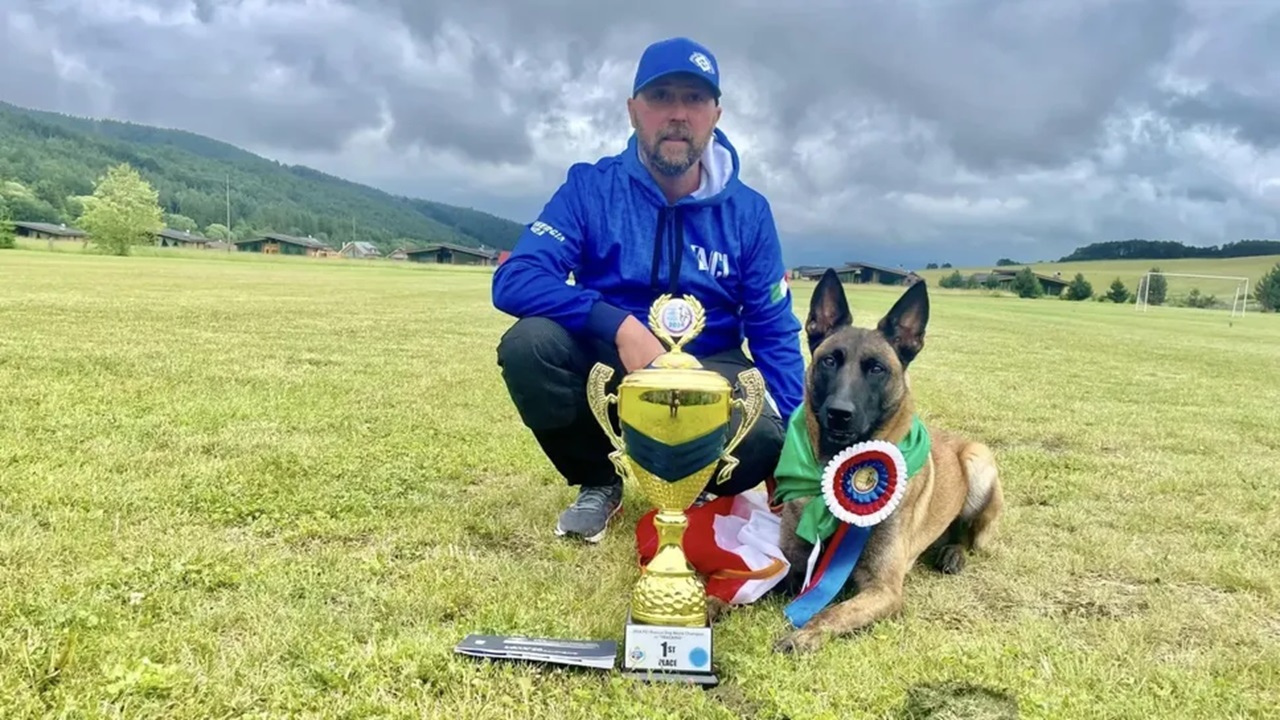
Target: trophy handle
(599, 400)
(751, 404)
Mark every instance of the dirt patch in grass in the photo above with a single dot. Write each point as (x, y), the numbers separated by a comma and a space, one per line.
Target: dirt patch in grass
(958, 701)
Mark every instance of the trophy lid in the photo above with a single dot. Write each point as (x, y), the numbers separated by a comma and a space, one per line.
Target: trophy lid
(676, 321)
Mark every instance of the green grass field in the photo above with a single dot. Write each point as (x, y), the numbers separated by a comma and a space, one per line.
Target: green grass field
(287, 488)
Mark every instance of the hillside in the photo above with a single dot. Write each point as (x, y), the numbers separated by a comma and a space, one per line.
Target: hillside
(47, 160)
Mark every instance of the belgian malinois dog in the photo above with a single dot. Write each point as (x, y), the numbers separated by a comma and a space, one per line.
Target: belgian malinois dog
(856, 389)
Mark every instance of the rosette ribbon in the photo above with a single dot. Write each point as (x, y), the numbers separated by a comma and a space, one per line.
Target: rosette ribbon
(858, 489)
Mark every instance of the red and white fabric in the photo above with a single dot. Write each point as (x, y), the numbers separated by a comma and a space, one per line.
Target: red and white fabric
(732, 542)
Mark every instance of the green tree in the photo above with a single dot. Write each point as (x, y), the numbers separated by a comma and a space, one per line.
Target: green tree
(217, 231)
(1153, 288)
(123, 211)
(7, 235)
(1267, 291)
(180, 222)
(1118, 292)
(954, 280)
(1026, 284)
(1079, 288)
(1195, 300)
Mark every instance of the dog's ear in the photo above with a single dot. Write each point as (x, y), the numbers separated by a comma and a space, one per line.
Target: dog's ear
(903, 326)
(828, 309)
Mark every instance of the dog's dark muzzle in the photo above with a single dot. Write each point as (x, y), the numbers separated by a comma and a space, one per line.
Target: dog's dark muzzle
(839, 419)
(841, 425)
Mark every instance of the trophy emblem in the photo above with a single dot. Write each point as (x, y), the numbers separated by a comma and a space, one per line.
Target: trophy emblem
(675, 421)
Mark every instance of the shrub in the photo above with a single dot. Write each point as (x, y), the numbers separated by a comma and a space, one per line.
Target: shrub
(1267, 291)
(1118, 292)
(1195, 300)
(7, 235)
(954, 280)
(1026, 284)
(1159, 286)
(1079, 289)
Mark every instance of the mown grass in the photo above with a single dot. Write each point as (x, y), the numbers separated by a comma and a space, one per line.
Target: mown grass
(283, 489)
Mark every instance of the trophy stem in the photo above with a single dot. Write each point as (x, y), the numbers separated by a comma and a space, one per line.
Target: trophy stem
(669, 591)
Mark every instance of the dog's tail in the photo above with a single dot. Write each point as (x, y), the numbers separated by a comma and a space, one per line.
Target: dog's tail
(985, 499)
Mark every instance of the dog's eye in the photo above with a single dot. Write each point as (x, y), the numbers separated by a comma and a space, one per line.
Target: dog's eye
(875, 368)
(829, 361)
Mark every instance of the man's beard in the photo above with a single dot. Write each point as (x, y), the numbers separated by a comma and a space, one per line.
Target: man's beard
(667, 166)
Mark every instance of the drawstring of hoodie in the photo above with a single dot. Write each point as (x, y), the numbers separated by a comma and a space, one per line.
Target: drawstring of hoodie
(671, 225)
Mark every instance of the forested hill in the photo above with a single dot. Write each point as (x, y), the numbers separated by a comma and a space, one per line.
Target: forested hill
(48, 160)
(1170, 250)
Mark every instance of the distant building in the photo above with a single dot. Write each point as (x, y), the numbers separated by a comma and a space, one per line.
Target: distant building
(806, 271)
(450, 254)
(360, 249)
(857, 273)
(398, 254)
(1052, 284)
(169, 237)
(280, 244)
(47, 231)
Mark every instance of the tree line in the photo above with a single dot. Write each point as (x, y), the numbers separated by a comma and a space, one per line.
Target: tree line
(1137, 249)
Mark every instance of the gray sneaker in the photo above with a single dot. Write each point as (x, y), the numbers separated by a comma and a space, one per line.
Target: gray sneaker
(589, 515)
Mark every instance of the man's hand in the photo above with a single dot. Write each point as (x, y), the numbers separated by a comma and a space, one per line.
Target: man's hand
(637, 346)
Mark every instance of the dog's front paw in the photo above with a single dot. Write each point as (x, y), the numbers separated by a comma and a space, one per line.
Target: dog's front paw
(716, 609)
(798, 642)
(950, 559)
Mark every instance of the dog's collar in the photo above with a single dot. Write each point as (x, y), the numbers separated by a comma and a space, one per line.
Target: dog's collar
(799, 476)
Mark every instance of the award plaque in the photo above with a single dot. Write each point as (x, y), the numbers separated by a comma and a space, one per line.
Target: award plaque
(675, 421)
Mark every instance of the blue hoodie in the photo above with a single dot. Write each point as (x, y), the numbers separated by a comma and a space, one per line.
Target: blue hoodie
(610, 225)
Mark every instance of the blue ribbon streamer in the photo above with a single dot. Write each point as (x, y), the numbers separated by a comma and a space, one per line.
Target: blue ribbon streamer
(847, 545)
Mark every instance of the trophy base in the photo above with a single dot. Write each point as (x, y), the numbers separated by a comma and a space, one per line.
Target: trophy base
(668, 653)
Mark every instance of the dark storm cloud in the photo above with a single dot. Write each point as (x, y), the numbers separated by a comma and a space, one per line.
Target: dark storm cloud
(205, 10)
(1256, 118)
(1002, 83)
(887, 126)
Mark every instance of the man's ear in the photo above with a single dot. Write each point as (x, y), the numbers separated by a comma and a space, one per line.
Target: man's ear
(828, 310)
(903, 326)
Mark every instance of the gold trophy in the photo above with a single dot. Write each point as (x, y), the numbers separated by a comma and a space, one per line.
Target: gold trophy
(675, 422)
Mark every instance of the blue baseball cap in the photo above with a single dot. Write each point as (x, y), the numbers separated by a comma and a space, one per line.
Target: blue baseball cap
(677, 55)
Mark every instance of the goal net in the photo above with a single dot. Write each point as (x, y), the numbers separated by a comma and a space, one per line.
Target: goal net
(1192, 290)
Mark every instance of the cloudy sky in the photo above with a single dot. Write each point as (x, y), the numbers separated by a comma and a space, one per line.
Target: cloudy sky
(898, 131)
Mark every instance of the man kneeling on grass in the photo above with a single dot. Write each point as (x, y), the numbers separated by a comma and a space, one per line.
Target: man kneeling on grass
(667, 214)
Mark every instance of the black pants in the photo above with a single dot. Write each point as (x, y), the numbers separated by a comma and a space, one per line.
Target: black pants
(545, 369)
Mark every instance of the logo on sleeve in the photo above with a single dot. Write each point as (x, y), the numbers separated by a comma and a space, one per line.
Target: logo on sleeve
(541, 228)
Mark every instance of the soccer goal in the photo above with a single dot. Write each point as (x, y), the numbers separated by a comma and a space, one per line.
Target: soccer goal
(1192, 290)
